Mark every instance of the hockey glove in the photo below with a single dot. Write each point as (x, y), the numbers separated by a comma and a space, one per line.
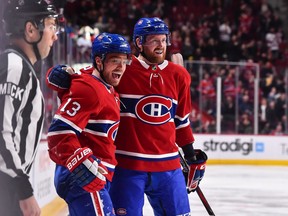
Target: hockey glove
(59, 76)
(196, 170)
(86, 170)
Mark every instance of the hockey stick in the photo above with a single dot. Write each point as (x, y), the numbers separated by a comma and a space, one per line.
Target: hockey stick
(177, 58)
(203, 199)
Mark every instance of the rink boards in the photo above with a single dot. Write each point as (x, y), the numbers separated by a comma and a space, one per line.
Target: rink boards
(244, 149)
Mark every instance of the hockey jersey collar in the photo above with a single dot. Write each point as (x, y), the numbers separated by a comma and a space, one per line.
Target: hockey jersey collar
(160, 66)
(108, 87)
(20, 51)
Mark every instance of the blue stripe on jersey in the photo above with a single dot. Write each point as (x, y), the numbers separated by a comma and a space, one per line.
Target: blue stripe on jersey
(128, 105)
(101, 127)
(181, 122)
(59, 125)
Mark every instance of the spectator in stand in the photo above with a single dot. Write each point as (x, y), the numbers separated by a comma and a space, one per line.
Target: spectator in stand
(271, 115)
(83, 46)
(273, 94)
(278, 130)
(234, 52)
(280, 83)
(273, 43)
(210, 126)
(200, 51)
(212, 49)
(245, 105)
(266, 69)
(176, 43)
(281, 105)
(284, 123)
(228, 113)
(224, 36)
(195, 120)
(245, 25)
(263, 113)
(265, 7)
(245, 125)
(207, 89)
(267, 84)
(266, 129)
(229, 88)
(187, 49)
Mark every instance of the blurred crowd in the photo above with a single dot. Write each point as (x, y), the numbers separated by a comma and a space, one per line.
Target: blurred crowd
(211, 30)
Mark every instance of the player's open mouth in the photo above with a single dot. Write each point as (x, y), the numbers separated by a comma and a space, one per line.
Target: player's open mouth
(158, 51)
(116, 75)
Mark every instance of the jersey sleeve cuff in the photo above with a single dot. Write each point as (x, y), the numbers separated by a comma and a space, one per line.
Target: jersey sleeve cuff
(24, 187)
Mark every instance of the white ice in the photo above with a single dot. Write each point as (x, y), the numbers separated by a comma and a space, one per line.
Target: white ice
(241, 191)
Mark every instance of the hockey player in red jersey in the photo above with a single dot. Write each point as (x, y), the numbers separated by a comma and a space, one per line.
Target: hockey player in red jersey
(82, 133)
(155, 94)
(155, 105)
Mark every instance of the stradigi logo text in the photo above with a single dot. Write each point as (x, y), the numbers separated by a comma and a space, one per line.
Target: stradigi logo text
(235, 146)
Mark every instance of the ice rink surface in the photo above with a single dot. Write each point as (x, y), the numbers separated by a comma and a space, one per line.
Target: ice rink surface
(241, 191)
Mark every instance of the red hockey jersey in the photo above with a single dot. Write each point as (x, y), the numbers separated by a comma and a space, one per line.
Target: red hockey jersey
(155, 105)
(88, 117)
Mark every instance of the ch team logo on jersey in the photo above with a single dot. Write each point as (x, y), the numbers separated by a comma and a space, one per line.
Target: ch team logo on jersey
(154, 109)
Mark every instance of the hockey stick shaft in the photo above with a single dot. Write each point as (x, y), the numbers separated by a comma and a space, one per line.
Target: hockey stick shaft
(203, 199)
(178, 59)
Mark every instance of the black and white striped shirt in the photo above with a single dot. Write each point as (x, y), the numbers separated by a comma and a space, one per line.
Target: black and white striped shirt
(21, 115)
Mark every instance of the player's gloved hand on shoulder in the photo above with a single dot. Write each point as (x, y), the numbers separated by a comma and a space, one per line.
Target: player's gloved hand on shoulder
(59, 76)
(196, 172)
(86, 170)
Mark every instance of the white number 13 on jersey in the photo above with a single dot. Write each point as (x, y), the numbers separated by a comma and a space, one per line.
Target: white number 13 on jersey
(73, 110)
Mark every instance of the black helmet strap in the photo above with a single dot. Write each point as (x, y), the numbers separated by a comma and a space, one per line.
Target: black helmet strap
(100, 70)
(35, 44)
(36, 51)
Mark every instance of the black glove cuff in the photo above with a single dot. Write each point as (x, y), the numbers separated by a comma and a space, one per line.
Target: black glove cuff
(189, 152)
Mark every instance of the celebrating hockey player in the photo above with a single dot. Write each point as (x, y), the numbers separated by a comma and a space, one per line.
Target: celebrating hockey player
(82, 133)
(155, 105)
(154, 118)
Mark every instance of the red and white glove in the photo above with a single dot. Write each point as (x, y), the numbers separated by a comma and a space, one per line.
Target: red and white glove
(86, 170)
(196, 170)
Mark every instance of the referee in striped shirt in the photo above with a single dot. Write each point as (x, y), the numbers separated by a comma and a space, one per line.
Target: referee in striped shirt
(31, 27)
